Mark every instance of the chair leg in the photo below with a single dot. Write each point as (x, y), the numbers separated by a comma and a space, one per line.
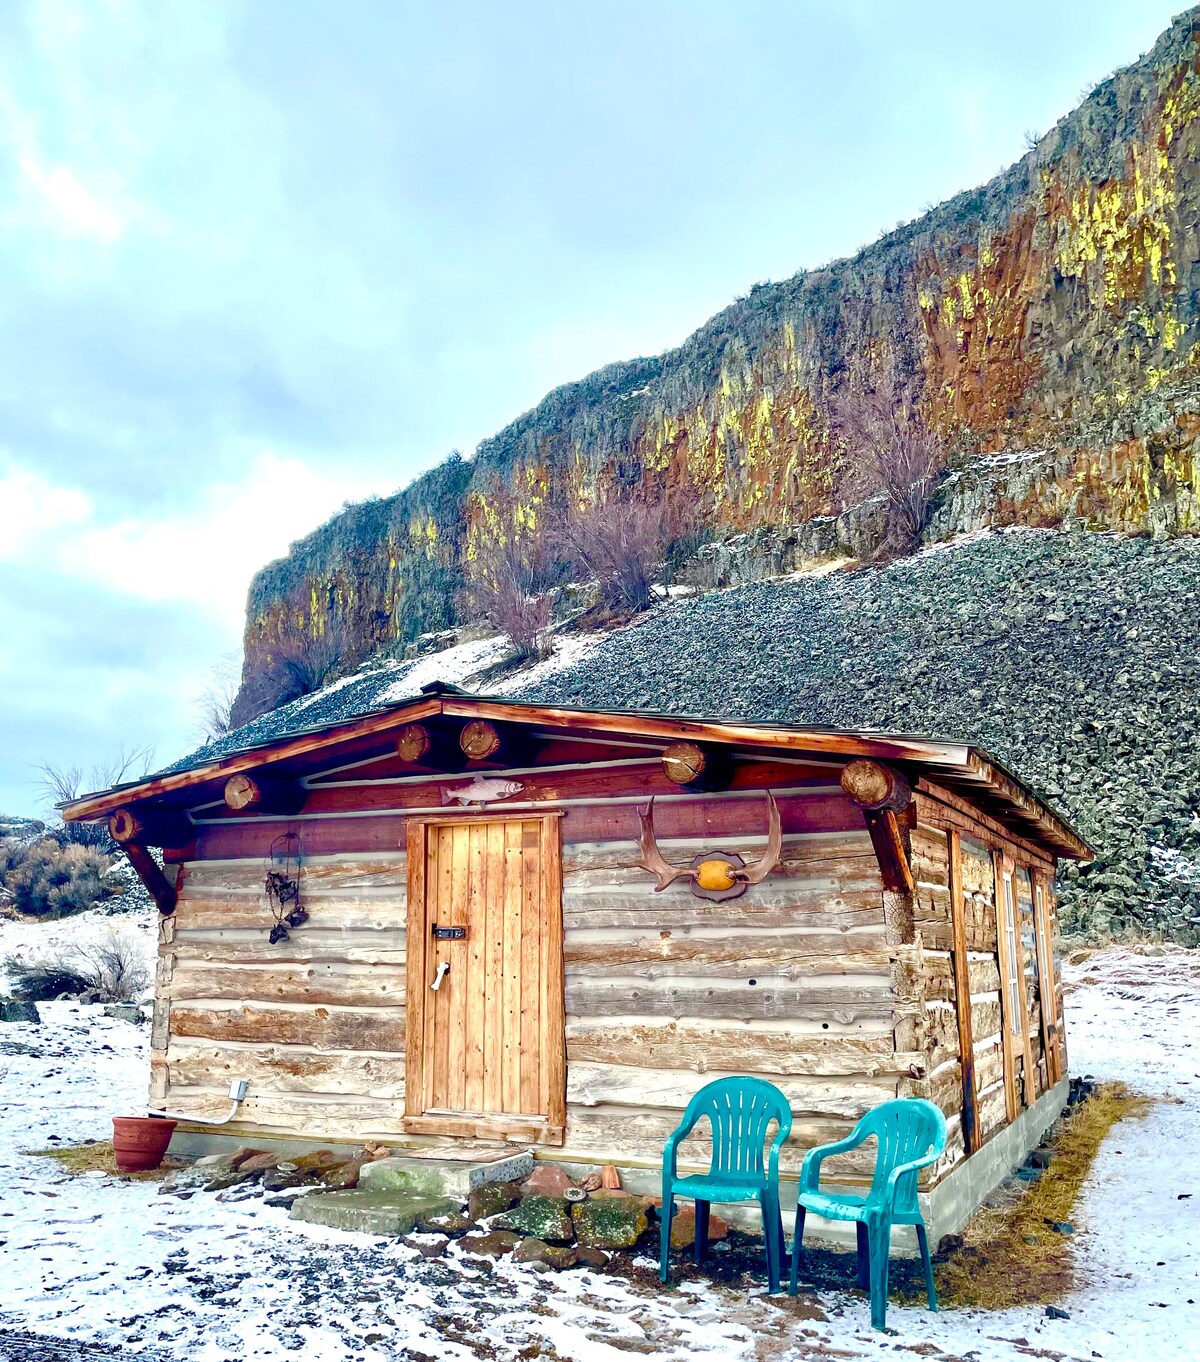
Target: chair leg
(770, 1219)
(668, 1212)
(864, 1257)
(797, 1249)
(927, 1263)
(881, 1243)
(701, 1240)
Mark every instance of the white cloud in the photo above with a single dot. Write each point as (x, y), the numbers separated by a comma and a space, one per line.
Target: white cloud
(33, 507)
(201, 555)
(67, 206)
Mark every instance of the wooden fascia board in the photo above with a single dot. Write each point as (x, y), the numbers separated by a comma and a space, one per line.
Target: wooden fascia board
(736, 735)
(96, 806)
(961, 813)
(1002, 784)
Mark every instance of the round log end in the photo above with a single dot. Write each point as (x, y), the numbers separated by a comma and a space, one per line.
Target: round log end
(684, 762)
(414, 742)
(241, 792)
(479, 740)
(872, 785)
(122, 825)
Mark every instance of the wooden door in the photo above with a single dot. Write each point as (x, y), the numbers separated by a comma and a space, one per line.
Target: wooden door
(485, 1048)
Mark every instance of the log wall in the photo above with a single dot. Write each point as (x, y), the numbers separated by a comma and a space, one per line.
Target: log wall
(816, 979)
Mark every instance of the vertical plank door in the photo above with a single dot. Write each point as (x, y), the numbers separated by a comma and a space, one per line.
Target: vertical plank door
(485, 1049)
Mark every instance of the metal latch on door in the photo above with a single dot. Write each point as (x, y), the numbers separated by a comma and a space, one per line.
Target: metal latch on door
(448, 933)
(442, 970)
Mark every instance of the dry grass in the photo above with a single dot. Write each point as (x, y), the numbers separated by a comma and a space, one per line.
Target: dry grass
(1011, 1256)
(97, 1157)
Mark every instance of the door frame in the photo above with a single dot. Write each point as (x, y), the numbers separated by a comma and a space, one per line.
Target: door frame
(487, 1126)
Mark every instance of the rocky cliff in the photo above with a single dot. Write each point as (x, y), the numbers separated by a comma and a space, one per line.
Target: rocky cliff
(1052, 321)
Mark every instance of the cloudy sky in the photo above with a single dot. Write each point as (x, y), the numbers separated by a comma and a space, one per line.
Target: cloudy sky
(264, 256)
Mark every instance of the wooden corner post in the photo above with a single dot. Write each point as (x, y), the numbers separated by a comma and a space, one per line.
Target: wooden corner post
(962, 997)
(883, 793)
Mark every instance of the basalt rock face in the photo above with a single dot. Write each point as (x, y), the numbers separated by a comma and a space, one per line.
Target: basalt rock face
(1054, 312)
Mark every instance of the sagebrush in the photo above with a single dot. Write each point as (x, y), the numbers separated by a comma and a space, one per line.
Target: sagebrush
(50, 879)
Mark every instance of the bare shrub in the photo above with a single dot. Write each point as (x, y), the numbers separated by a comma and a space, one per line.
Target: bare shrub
(43, 980)
(104, 971)
(887, 447)
(306, 664)
(620, 544)
(507, 586)
(216, 700)
(298, 666)
(115, 966)
(49, 879)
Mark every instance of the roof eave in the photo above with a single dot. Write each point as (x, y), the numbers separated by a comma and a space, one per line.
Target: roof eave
(967, 762)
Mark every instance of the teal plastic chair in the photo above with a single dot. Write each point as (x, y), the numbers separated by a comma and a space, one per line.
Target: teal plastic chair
(911, 1134)
(740, 1111)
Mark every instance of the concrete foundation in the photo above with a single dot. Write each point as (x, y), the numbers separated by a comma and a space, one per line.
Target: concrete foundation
(960, 1193)
(369, 1212)
(442, 1172)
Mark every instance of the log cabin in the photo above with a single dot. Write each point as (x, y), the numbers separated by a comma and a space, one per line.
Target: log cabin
(470, 919)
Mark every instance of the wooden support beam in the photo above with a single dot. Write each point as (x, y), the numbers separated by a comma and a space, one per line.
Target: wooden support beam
(258, 794)
(150, 827)
(432, 747)
(160, 889)
(696, 766)
(890, 841)
(481, 740)
(872, 785)
(962, 997)
(884, 794)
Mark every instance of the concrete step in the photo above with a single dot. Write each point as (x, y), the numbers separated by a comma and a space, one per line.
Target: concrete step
(369, 1212)
(445, 1170)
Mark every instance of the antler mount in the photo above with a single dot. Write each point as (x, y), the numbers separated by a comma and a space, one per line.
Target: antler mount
(713, 875)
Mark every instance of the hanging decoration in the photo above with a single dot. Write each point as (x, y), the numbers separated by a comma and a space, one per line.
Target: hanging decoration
(283, 887)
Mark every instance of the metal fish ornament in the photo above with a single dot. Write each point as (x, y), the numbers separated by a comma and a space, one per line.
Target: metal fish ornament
(483, 790)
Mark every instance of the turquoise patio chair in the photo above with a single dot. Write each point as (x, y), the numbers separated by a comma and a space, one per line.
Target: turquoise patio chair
(911, 1134)
(740, 1111)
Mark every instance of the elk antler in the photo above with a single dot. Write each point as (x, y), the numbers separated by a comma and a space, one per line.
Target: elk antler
(652, 859)
(756, 873)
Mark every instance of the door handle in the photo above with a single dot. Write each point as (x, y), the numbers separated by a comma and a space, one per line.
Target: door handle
(442, 970)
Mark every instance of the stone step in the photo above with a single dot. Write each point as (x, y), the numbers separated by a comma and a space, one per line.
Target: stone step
(369, 1212)
(444, 1171)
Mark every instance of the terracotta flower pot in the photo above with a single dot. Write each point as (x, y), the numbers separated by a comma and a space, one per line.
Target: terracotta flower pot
(139, 1142)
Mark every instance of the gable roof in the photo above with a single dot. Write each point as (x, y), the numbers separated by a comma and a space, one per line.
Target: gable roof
(963, 769)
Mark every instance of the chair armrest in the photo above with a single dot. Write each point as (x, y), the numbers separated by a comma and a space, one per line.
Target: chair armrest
(889, 1194)
(810, 1170)
(681, 1132)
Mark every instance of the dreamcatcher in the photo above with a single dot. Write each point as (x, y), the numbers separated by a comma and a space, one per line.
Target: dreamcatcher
(283, 886)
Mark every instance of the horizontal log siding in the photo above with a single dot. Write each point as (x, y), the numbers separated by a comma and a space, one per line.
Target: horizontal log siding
(658, 988)
(315, 1023)
(791, 982)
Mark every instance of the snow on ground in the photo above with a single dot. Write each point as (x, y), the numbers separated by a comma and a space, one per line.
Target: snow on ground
(95, 1259)
(29, 939)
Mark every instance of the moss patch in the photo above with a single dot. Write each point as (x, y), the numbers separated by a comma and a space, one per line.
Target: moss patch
(97, 1157)
(1010, 1255)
